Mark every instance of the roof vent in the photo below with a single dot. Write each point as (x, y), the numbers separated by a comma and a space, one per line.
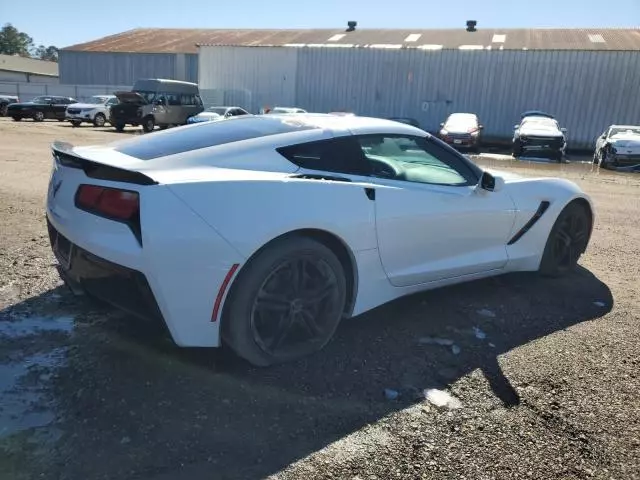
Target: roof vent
(351, 26)
(471, 25)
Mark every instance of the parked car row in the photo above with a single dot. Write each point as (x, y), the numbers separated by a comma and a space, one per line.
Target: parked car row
(165, 103)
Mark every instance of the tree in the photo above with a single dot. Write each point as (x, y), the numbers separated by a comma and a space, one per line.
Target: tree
(15, 42)
(49, 53)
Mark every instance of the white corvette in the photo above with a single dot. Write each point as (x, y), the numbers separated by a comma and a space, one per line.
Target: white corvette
(265, 231)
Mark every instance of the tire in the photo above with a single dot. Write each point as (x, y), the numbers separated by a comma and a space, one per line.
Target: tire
(164, 127)
(263, 333)
(517, 149)
(595, 158)
(99, 120)
(4, 108)
(567, 241)
(558, 157)
(119, 127)
(75, 123)
(149, 124)
(16, 119)
(38, 116)
(60, 119)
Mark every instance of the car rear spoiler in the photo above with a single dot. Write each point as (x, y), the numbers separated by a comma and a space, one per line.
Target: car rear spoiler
(64, 155)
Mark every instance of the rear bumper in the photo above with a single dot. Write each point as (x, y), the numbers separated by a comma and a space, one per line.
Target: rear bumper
(122, 287)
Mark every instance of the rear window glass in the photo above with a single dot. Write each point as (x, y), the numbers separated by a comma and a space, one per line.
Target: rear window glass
(207, 134)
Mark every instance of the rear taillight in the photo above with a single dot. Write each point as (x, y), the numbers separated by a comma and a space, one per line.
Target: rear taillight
(108, 202)
(112, 203)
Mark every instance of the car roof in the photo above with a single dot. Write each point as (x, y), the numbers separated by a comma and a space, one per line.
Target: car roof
(536, 113)
(624, 126)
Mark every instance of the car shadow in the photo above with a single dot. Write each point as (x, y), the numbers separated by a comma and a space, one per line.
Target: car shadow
(133, 405)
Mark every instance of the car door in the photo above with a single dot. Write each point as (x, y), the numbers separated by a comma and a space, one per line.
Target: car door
(59, 107)
(432, 221)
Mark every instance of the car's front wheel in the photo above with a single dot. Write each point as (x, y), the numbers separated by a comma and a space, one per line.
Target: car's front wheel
(567, 241)
(38, 116)
(149, 124)
(99, 120)
(517, 149)
(286, 303)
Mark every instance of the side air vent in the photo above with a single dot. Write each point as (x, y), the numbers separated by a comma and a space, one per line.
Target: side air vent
(532, 221)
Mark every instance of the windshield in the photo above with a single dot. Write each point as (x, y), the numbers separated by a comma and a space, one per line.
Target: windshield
(97, 100)
(624, 131)
(148, 96)
(462, 121)
(540, 121)
(218, 110)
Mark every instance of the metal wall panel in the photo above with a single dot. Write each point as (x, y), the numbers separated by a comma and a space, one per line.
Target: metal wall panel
(248, 77)
(98, 68)
(586, 91)
(192, 67)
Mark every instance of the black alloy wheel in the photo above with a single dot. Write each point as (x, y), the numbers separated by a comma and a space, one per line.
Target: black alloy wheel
(286, 303)
(567, 241)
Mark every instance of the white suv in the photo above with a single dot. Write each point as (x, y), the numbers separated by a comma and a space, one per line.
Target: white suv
(95, 110)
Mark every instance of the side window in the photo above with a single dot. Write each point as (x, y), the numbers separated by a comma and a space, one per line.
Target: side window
(186, 99)
(240, 111)
(172, 99)
(339, 155)
(198, 101)
(414, 159)
(112, 101)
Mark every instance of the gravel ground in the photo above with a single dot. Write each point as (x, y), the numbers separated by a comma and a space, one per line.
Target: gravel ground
(536, 379)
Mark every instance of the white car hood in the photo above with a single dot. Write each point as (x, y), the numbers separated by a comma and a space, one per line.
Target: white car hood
(210, 115)
(85, 106)
(540, 130)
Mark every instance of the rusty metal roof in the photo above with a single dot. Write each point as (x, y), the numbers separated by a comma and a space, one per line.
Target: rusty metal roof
(175, 40)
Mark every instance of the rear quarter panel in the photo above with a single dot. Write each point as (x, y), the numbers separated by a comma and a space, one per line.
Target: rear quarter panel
(248, 214)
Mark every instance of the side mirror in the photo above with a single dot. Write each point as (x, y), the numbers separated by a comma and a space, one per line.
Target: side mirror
(563, 130)
(490, 183)
(480, 127)
(442, 125)
(515, 127)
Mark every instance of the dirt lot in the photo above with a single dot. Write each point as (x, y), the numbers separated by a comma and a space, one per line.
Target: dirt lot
(545, 373)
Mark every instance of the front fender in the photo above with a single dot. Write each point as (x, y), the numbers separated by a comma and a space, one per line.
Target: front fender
(528, 195)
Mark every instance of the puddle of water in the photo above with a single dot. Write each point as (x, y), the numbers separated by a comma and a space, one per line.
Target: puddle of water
(33, 325)
(23, 406)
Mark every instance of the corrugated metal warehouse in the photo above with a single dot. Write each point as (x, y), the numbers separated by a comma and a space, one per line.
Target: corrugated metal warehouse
(588, 78)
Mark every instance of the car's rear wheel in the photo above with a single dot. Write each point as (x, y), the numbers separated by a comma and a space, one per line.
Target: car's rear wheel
(119, 127)
(567, 241)
(99, 120)
(38, 116)
(286, 303)
(4, 108)
(16, 118)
